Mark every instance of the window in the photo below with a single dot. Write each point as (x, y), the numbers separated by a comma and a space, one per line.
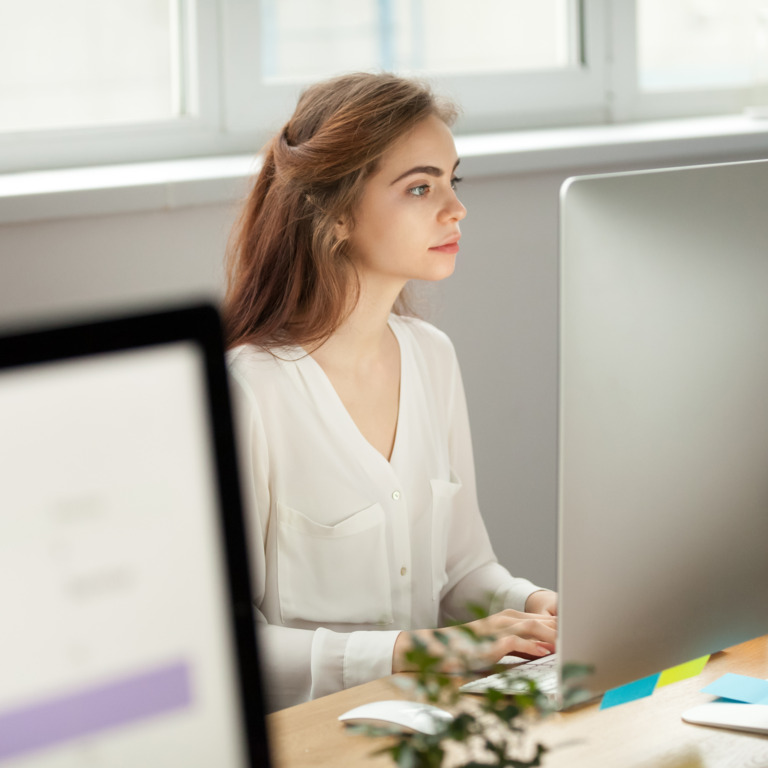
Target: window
(304, 39)
(509, 63)
(700, 44)
(98, 81)
(88, 62)
(693, 57)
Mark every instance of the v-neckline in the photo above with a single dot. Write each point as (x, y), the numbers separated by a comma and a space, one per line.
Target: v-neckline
(346, 416)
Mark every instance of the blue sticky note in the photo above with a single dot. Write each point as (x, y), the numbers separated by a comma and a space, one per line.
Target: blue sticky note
(637, 690)
(742, 688)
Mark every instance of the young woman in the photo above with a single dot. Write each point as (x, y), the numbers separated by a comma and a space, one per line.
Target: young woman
(359, 475)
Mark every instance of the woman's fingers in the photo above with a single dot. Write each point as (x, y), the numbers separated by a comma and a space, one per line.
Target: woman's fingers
(503, 633)
(514, 645)
(534, 629)
(527, 625)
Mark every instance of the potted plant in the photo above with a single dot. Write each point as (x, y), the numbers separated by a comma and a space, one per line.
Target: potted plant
(488, 729)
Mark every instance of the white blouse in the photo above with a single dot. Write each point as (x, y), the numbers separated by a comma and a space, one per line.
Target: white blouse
(347, 548)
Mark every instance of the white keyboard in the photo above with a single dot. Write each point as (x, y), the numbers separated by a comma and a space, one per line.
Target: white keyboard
(542, 671)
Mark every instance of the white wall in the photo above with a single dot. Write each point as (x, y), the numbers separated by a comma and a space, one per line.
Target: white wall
(500, 308)
(51, 268)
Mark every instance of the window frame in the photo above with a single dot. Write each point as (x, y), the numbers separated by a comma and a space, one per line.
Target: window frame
(196, 133)
(629, 103)
(489, 102)
(232, 112)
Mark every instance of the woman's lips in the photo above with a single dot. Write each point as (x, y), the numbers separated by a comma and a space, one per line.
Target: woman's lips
(452, 246)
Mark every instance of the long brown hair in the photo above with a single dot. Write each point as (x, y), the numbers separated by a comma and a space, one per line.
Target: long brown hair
(289, 274)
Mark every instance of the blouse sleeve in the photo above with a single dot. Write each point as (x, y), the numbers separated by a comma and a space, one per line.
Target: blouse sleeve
(298, 664)
(475, 578)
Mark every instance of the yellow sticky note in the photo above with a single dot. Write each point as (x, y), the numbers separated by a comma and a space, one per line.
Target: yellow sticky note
(682, 671)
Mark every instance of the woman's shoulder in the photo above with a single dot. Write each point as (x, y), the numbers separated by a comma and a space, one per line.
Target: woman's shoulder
(258, 364)
(251, 354)
(429, 338)
(246, 357)
(246, 354)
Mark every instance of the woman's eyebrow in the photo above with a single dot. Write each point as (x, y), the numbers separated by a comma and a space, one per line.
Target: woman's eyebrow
(429, 170)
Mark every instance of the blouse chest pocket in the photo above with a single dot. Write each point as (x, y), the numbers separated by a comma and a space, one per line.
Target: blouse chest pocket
(443, 495)
(333, 573)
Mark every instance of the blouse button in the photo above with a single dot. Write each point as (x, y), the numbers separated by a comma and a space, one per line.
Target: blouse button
(403, 571)
(396, 495)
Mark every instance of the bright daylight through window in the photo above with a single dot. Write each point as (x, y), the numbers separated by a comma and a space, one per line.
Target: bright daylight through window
(95, 81)
(304, 39)
(701, 44)
(87, 62)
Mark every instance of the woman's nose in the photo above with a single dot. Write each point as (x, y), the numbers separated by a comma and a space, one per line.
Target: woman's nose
(454, 208)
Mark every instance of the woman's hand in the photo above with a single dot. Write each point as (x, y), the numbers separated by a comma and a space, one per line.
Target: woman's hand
(542, 601)
(495, 636)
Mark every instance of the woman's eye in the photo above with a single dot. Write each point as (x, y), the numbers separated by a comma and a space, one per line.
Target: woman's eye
(455, 181)
(419, 191)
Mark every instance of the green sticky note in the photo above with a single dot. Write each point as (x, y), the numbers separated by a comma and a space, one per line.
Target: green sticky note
(682, 671)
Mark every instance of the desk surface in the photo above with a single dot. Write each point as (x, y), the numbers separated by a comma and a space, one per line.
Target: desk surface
(648, 732)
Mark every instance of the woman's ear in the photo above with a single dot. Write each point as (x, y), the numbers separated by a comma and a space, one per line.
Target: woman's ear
(342, 228)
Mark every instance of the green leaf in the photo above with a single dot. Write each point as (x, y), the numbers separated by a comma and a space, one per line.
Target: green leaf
(508, 713)
(405, 755)
(430, 683)
(574, 671)
(576, 696)
(477, 610)
(472, 635)
(460, 728)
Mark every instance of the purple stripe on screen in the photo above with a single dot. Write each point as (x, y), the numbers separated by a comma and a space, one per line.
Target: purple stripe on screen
(88, 711)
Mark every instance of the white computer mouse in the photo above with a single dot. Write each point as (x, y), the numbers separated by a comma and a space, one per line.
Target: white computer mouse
(406, 716)
(722, 714)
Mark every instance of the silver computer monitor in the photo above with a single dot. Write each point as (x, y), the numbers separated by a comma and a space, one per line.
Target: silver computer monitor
(663, 427)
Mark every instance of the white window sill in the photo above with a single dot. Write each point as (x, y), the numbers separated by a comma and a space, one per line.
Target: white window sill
(102, 190)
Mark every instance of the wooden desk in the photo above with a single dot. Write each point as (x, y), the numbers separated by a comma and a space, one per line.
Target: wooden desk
(648, 732)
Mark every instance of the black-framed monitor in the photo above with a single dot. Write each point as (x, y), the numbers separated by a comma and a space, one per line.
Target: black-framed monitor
(127, 629)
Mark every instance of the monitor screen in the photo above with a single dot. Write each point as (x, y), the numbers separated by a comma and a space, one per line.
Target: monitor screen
(663, 416)
(117, 641)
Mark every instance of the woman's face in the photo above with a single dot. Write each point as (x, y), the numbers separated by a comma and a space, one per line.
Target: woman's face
(406, 225)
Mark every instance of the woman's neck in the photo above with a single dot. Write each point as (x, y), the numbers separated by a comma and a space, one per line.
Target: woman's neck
(364, 336)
